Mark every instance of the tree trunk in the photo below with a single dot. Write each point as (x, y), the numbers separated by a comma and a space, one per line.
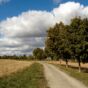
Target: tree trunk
(66, 63)
(79, 63)
(60, 61)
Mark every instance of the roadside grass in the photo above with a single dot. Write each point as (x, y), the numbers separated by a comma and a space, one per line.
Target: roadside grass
(31, 77)
(81, 76)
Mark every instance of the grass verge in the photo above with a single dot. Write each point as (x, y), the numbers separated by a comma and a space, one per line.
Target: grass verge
(31, 77)
(82, 76)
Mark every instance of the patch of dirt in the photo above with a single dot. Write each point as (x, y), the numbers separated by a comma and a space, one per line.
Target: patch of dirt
(11, 66)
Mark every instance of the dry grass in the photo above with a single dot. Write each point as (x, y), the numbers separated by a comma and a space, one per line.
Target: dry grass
(12, 66)
(74, 64)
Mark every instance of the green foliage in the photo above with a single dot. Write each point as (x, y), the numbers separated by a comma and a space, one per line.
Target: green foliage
(39, 54)
(57, 42)
(78, 39)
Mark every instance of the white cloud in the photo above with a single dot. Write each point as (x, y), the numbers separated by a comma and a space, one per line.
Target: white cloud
(20, 46)
(27, 31)
(28, 24)
(3, 1)
(66, 12)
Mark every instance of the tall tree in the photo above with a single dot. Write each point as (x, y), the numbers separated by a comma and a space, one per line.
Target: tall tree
(57, 43)
(77, 39)
(84, 53)
(51, 43)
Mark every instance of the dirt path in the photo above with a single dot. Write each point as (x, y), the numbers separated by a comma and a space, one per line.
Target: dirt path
(58, 79)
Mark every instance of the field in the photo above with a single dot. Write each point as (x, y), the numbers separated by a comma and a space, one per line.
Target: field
(70, 63)
(11, 66)
(30, 77)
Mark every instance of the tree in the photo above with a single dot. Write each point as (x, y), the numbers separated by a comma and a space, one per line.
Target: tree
(84, 53)
(30, 57)
(79, 44)
(51, 44)
(57, 44)
(38, 54)
(64, 45)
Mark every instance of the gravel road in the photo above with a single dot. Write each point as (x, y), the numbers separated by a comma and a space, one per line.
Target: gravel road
(59, 79)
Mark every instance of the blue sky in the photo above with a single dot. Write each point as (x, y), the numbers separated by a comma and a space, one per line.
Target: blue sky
(16, 7)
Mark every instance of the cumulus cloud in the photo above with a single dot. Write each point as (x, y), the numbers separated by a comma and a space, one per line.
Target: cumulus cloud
(28, 24)
(20, 46)
(3, 1)
(66, 12)
(21, 34)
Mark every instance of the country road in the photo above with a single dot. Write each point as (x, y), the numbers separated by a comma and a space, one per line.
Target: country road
(59, 79)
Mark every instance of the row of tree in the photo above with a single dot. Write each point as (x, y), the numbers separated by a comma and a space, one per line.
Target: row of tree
(68, 41)
(15, 57)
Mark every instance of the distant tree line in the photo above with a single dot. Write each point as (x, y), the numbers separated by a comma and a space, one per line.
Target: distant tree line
(68, 41)
(15, 57)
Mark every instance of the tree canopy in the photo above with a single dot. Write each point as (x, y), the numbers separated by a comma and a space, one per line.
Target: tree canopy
(38, 54)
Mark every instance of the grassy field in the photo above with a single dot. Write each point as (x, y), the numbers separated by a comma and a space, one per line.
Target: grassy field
(82, 76)
(31, 77)
(11, 66)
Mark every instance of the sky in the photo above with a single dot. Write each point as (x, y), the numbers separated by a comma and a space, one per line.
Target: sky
(10, 8)
(23, 23)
